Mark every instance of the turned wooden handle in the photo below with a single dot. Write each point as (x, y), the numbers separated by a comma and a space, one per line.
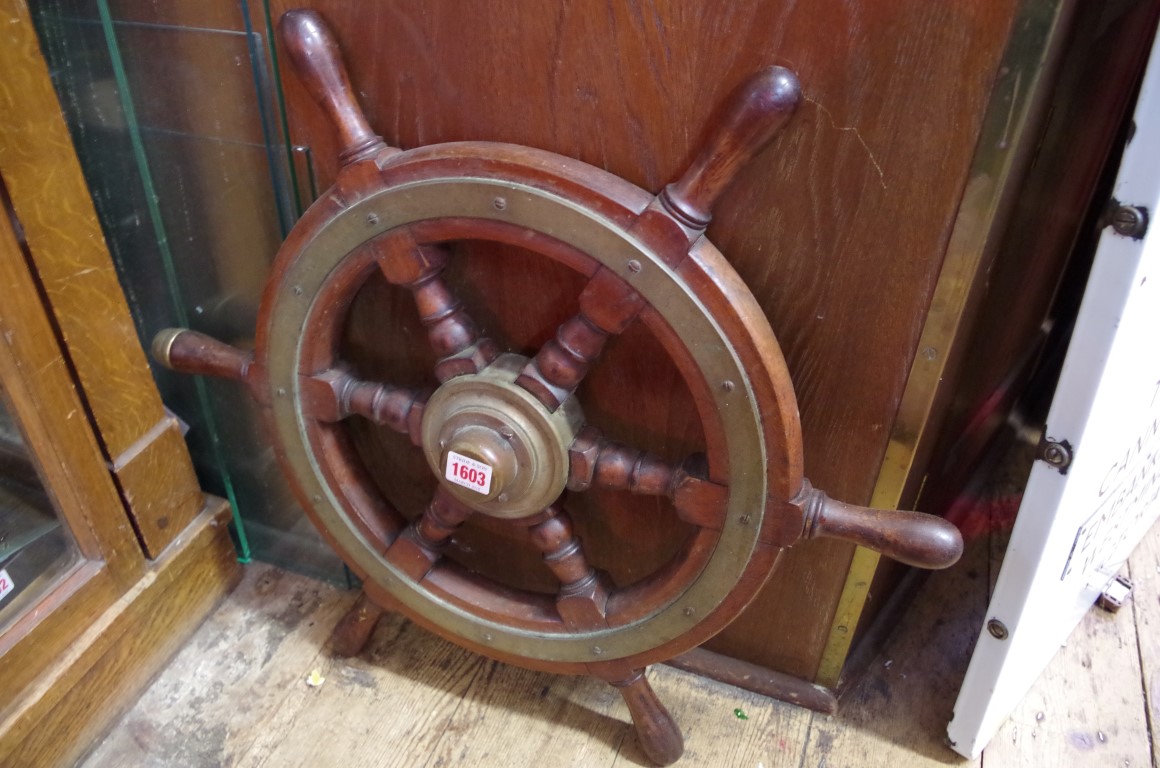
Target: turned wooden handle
(659, 735)
(318, 62)
(188, 351)
(912, 538)
(354, 630)
(751, 116)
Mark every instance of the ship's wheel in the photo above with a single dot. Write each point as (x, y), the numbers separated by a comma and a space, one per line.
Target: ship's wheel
(505, 434)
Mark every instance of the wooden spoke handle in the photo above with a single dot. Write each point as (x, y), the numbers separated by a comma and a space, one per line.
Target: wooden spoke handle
(354, 630)
(659, 735)
(318, 62)
(912, 538)
(752, 114)
(188, 351)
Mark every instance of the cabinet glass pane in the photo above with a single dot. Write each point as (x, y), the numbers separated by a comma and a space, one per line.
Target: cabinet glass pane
(35, 547)
(175, 115)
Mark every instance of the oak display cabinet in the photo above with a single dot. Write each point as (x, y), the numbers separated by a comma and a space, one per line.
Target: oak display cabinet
(110, 554)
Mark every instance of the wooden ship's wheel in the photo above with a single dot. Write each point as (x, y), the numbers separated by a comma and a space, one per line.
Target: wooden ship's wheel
(506, 434)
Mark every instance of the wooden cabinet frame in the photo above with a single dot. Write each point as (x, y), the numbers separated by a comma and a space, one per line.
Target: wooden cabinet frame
(155, 553)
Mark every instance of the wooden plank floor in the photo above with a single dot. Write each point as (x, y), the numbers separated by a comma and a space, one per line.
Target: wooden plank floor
(239, 694)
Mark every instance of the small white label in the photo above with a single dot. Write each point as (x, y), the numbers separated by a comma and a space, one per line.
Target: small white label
(6, 584)
(466, 471)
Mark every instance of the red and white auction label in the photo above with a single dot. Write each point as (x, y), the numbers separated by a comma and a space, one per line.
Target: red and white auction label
(6, 584)
(466, 471)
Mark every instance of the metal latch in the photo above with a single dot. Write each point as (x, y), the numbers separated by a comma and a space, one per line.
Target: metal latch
(1128, 220)
(1057, 453)
(1114, 595)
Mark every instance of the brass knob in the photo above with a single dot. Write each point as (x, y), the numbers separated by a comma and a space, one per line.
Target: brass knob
(487, 447)
(500, 429)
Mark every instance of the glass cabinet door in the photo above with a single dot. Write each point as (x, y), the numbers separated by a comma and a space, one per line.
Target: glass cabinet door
(36, 548)
(110, 554)
(176, 116)
(67, 548)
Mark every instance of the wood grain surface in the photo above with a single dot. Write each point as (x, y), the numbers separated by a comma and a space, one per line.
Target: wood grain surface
(115, 657)
(52, 202)
(271, 630)
(67, 249)
(1144, 570)
(41, 394)
(238, 694)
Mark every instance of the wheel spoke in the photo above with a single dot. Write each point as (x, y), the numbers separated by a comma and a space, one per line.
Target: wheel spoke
(335, 395)
(597, 462)
(607, 306)
(452, 333)
(421, 544)
(583, 598)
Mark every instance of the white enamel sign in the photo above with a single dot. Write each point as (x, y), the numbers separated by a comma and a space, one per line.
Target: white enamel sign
(1076, 527)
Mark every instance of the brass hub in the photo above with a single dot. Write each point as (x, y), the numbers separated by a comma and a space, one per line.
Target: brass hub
(494, 446)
